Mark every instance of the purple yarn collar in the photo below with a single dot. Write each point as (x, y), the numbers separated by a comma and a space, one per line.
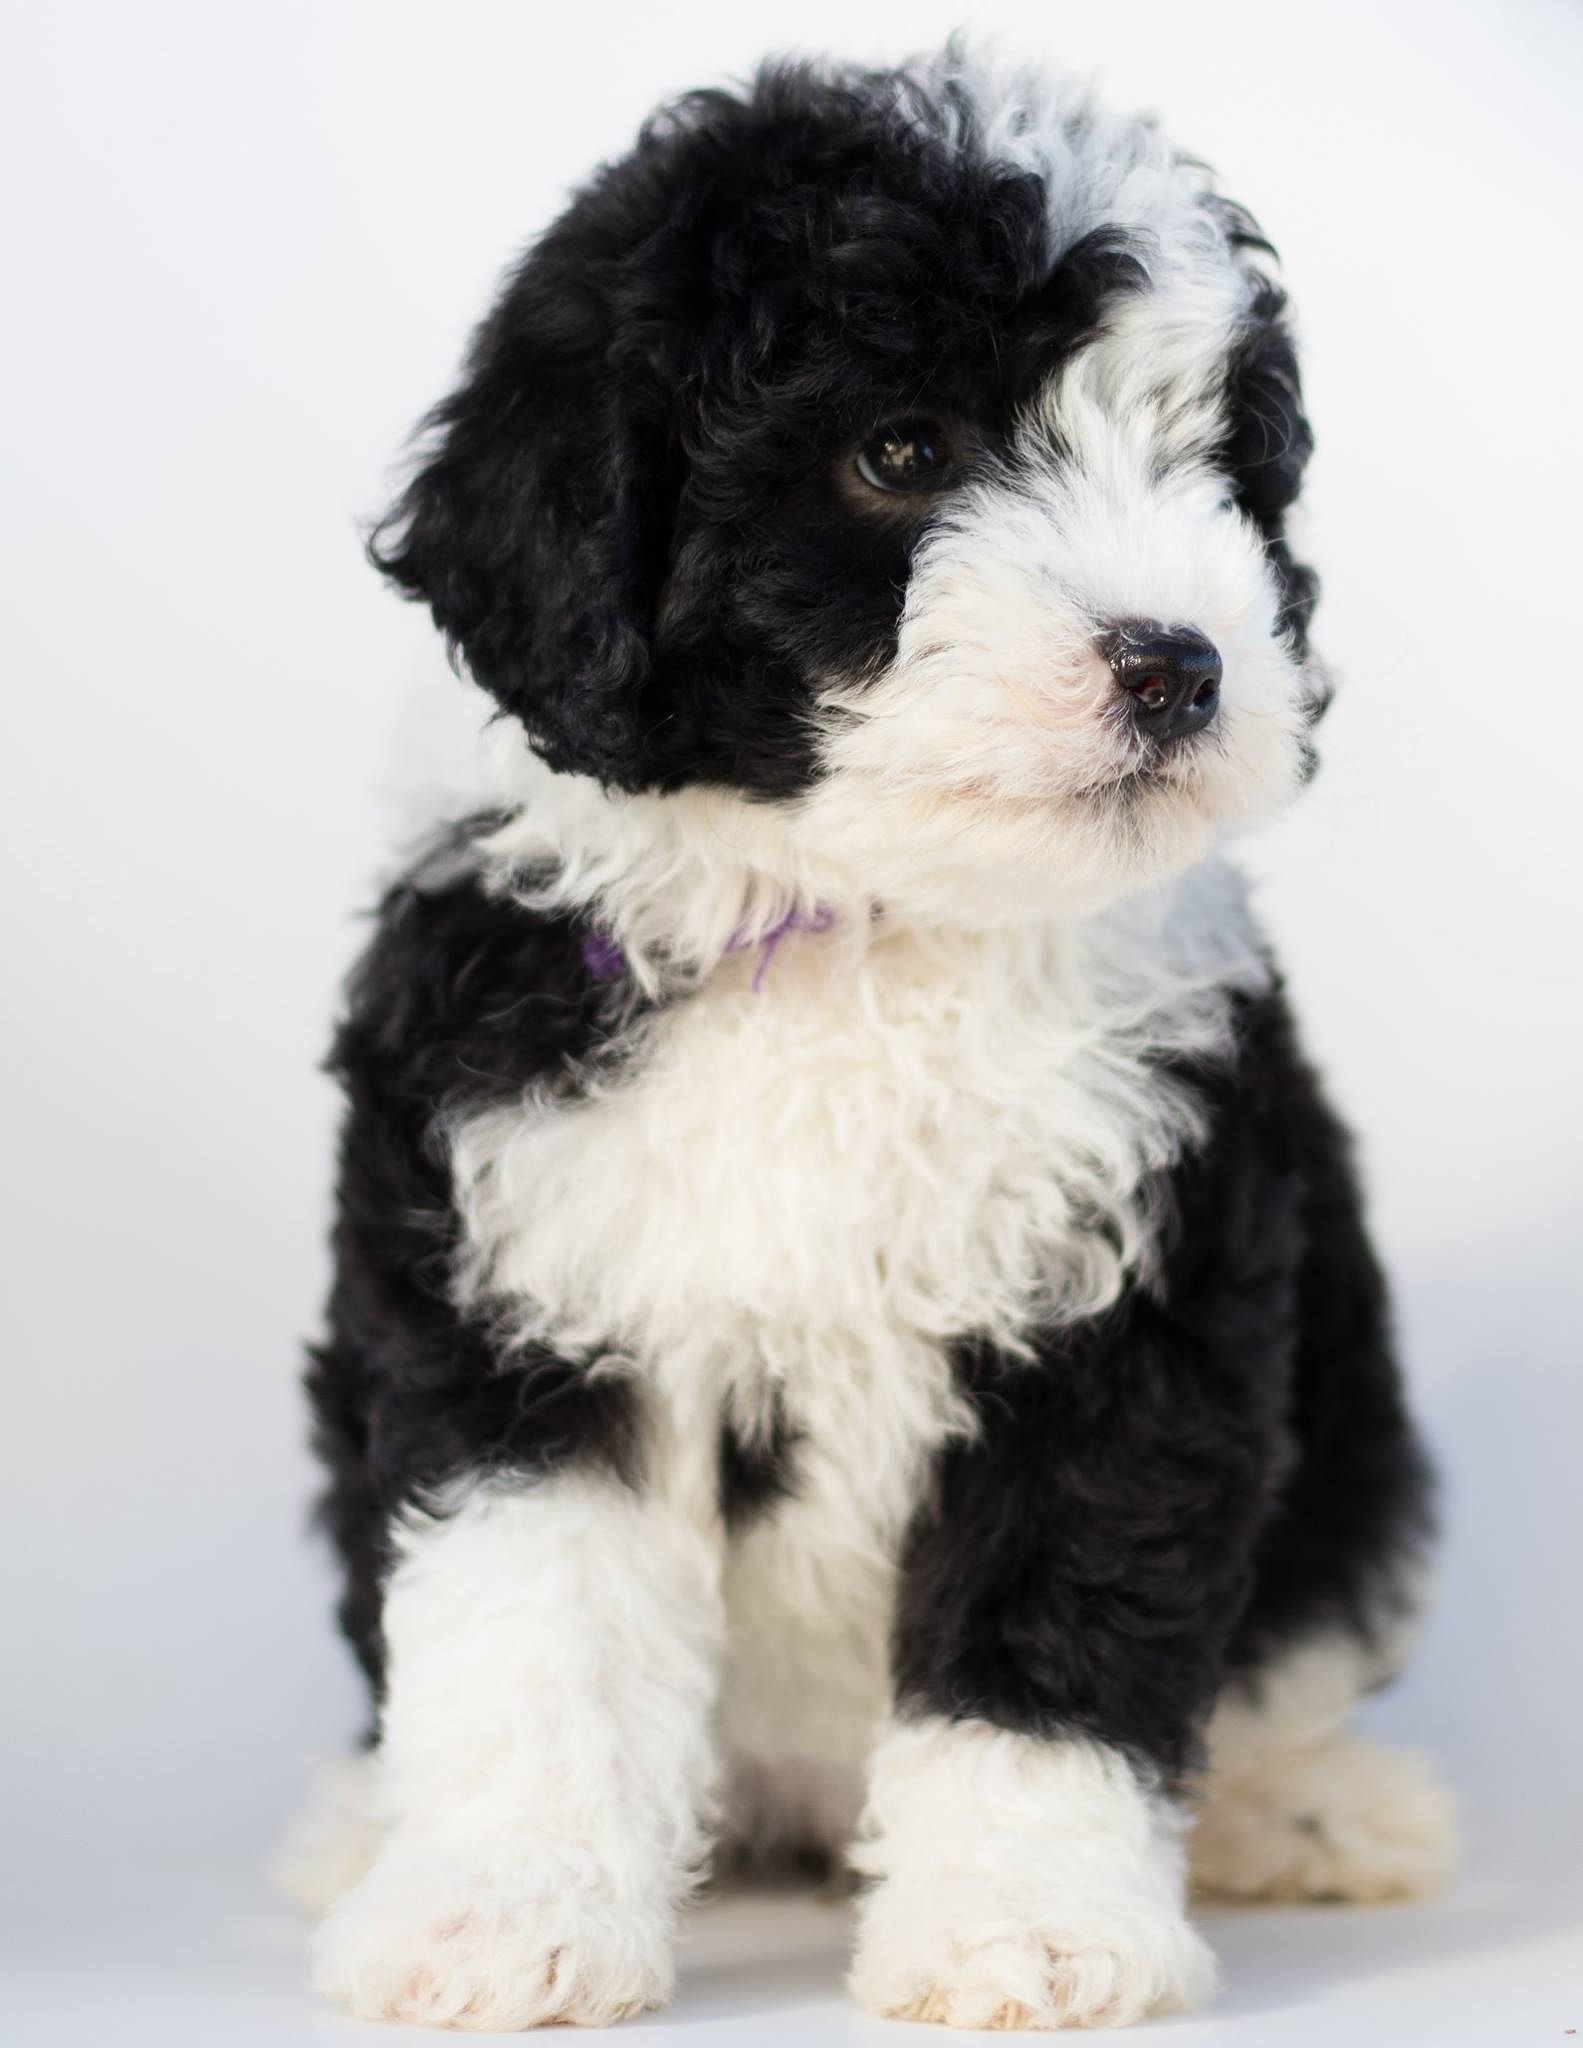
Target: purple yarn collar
(606, 959)
(602, 957)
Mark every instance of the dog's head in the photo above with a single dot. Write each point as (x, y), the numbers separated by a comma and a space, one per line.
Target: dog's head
(908, 451)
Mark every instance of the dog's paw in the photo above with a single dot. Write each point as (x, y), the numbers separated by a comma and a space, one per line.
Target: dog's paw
(956, 1957)
(1341, 1820)
(489, 1946)
(332, 1842)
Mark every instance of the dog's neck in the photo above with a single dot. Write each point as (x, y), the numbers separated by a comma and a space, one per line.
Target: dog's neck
(667, 884)
(677, 886)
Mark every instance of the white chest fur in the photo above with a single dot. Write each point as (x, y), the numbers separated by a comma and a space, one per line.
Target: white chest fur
(799, 1196)
(901, 1138)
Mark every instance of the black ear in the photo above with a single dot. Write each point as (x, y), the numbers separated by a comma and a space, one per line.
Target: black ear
(1268, 442)
(538, 525)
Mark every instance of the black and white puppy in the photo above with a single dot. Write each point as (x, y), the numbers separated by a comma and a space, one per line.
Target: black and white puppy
(853, 1327)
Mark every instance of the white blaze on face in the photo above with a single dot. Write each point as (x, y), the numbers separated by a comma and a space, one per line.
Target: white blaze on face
(998, 726)
(994, 755)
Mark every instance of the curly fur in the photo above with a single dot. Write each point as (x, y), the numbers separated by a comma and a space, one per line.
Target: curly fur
(853, 1327)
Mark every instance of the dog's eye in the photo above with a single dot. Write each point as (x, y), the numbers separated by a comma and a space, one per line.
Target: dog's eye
(907, 455)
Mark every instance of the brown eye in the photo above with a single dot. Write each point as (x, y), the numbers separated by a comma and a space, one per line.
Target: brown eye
(907, 455)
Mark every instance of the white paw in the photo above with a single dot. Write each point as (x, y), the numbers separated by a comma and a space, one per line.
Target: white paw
(953, 1954)
(331, 1843)
(1339, 1820)
(493, 1947)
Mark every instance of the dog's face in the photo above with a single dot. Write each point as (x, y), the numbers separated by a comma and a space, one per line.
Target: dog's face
(908, 452)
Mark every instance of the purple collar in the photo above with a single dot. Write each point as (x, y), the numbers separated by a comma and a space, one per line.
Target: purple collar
(606, 960)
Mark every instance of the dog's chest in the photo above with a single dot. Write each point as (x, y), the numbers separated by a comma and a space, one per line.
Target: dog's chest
(893, 1145)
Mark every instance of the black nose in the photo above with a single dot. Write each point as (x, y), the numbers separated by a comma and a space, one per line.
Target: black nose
(1172, 679)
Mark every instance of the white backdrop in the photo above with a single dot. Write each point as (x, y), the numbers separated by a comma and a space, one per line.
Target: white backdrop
(242, 248)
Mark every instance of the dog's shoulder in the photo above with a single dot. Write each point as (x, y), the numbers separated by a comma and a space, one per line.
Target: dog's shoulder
(466, 994)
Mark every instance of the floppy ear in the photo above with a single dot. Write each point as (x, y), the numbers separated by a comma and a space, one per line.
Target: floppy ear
(538, 525)
(1268, 443)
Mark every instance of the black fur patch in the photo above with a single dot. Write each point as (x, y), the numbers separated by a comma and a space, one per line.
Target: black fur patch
(1218, 1466)
(756, 1466)
(462, 999)
(1267, 447)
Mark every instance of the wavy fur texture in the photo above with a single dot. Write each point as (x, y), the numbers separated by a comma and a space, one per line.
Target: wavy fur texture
(854, 1330)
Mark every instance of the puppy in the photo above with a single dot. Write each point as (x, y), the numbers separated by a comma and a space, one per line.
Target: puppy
(854, 1329)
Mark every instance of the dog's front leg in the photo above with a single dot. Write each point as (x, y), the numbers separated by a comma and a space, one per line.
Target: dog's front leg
(1024, 1881)
(1063, 1609)
(544, 1765)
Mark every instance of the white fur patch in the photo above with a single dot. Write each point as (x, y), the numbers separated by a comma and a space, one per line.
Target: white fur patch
(1021, 1883)
(1294, 1806)
(993, 753)
(1338, 1818)
(331, 1843)
(1099, 166)
(997, 744)
(908, 1135)
(544, 1778)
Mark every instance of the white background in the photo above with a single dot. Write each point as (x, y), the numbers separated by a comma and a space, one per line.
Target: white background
(242, 248)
